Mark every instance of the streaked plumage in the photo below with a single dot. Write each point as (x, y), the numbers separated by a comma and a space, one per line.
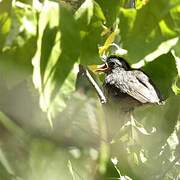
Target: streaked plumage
(131, 86)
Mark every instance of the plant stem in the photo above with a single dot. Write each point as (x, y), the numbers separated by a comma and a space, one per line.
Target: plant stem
(94, 84)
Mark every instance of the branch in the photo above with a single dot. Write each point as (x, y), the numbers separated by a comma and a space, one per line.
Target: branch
(94, 84)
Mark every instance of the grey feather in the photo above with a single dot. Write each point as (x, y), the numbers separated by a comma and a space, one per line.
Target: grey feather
(134, 83)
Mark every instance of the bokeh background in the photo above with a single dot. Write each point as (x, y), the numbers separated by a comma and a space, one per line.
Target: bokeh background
(52, 124)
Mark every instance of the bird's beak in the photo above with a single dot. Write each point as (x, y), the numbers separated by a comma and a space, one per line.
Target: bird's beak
(102, 68)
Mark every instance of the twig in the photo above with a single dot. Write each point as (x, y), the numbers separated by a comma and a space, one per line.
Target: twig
(94, 84)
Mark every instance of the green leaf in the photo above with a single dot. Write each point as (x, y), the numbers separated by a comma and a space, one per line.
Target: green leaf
(21, 19)
(58, 50)
(85, 13)
(177, 49)
(163, 48)
(162, 71)
(5, 21)
(176, 89)
(18, 43)
(144, 30)
(111, 9)
(48, 160)
(164, 119)
(98, 12)
(176, 54)
(175, 86)
(89, 18)
(140, 3)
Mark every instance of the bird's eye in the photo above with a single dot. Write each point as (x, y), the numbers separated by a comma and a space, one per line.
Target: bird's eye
(111, 63)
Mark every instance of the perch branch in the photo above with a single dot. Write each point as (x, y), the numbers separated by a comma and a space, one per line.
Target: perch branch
(94, 84)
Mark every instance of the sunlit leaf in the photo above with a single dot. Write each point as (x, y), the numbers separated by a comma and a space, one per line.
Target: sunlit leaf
(85, 13)
(173, 140)
(86, 136)
(98, 11)
(176, 53)
(89, 17)
(5, 21)
(163, 48)
(55, 56)
(18, 43)
(142, 36)
(177, 49)
(141, 3)
(107, 43)
(175, 87)
(111, 9)
(139, 127)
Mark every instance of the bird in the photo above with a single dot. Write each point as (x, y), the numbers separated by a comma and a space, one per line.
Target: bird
(127, 86)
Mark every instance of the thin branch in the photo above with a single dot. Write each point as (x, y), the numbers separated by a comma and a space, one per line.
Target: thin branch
(94, 84)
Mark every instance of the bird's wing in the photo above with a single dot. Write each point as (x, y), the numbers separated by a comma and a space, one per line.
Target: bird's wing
(136, 84)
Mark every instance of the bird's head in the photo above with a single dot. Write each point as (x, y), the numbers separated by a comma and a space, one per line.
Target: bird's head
(113, 62)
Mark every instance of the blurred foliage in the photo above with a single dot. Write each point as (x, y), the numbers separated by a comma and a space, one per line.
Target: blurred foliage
(52, 125)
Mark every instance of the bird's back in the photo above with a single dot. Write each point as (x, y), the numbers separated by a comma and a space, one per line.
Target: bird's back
(132, 87)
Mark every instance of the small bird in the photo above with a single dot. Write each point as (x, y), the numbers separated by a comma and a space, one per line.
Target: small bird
(130, 87)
